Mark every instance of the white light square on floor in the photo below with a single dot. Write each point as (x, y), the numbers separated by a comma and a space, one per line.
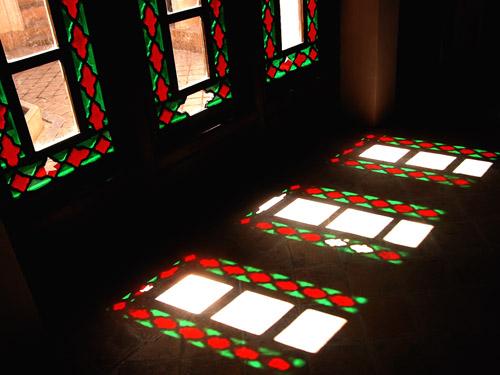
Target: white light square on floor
(359, 222)
(252, 312)
(307, 211)
(194, 293)
(408, 233)
(384, 153)
(471, 167)
(271, 202)
(310, 331)
(431, 160)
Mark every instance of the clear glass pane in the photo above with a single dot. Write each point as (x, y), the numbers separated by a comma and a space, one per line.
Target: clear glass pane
(46, 104)
(188, 42)
(178, 5)
(292, 23)
(25, 28)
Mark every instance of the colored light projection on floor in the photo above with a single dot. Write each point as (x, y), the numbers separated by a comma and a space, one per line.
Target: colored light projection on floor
(252, 312)
(455, 165)
(194, 293)
(330, 219)
(360, 222)
(307, 211)
(203, 285)
(323, 326)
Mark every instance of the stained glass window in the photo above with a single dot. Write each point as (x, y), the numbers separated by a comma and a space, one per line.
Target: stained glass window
(48, 130)
(187, 54)
(290, 31)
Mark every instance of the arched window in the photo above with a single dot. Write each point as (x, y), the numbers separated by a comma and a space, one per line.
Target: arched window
(52, 114)
(290, 29)
(187, 53)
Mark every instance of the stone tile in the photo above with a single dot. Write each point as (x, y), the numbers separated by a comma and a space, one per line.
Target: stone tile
(304, 254)
(108, 343)
(373, 279)
(330, 276)
(388, 317)
(210, 364)
(413, 356)
(426, 274)
(342, 359)
(152, 366)
(439, 312)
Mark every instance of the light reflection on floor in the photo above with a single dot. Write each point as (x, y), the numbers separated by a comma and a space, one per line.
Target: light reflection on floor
(408, 233)
(311, 330)
(194, 293)
(431, 160)
(252, 312)
(339, 225)
(199, 286)
(471, 167)
(276, 307)
(384, 153)
(360, 222)
(307, 211)
(454, 161)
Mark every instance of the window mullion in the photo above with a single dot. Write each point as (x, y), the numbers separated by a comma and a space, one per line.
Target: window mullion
(17, 66)
(184, 14)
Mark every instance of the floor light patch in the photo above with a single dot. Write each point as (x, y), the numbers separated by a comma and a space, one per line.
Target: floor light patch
(270, 203)
(384, 153)
(431, 160)
(252, 312)
(359, 222)
(311, 330)
(471, 167)
(141, 306)
(307, 211)
(194, 293)
(408, 233)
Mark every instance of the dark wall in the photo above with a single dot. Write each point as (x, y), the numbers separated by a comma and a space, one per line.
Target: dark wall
(447, 73)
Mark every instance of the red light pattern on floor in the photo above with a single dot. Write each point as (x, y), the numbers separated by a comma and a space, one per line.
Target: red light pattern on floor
(138, 307)
(460, 152)
(322, 239)
(230, 347)
(369, 201)
(271, 281)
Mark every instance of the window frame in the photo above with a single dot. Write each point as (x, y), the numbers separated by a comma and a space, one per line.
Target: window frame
(168, 19)
(26, 172)
(156, 31)
(60, 53)
(279, 62)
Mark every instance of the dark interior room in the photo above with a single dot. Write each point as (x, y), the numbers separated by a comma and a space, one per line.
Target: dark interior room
(249, 187)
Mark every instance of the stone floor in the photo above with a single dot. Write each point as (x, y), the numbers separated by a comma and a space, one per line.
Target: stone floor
(430, 311)
(45, 87)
